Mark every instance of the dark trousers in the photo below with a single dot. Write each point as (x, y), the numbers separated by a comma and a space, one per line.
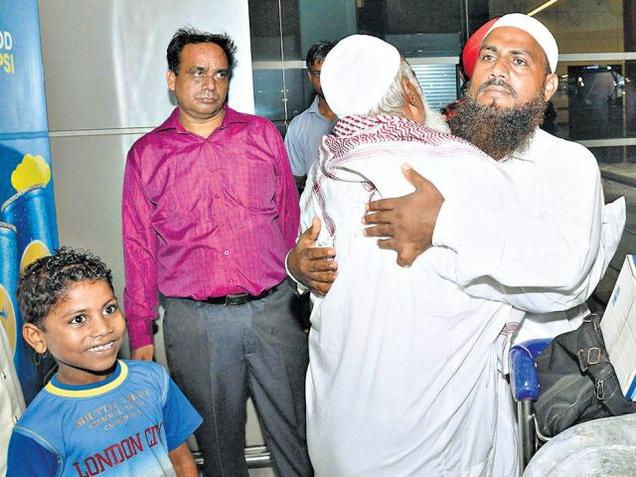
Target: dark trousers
(220, 354)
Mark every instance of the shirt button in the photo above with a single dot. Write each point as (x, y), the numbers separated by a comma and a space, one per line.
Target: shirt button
(216, 196)
(226, 252)
(4, 375)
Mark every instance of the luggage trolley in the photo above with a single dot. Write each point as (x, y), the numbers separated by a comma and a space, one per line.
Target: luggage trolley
(525, 390)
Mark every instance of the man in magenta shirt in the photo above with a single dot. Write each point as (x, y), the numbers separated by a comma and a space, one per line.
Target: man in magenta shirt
(209, 211)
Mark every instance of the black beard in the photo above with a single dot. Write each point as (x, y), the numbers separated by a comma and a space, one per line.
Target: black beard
(497, 131)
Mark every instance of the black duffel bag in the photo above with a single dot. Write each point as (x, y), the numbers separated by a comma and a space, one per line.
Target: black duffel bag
(578, 383)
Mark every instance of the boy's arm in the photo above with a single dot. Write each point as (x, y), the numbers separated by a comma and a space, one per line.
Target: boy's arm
(180, 420)
(183, 462)
(27, 458)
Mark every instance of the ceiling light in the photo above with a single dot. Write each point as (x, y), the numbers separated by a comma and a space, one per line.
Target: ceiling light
(542, 7)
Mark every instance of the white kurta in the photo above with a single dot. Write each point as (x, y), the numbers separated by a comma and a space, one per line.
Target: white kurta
(403, 377)
(547, 179)
(557, 183)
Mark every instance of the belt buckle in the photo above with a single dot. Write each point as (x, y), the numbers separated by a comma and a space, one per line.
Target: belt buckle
(238, 299)
(242, 298)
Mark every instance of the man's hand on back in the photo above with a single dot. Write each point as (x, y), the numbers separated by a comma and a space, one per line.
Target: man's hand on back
(314, 267)
(407, 222)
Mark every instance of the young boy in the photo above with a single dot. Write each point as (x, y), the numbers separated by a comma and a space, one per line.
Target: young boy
(98, 415)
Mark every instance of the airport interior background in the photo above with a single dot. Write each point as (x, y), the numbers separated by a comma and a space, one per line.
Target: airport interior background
(104, 73)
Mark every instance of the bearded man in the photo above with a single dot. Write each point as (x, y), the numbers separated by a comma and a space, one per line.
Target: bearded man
(556, 180)
(512, 81)
(405, 364)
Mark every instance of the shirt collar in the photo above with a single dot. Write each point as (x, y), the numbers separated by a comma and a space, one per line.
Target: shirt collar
(119, 375)
(231, 117)
(172, 122)
(314, 106)
(358, 123)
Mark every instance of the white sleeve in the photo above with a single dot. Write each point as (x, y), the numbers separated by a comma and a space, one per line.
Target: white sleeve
(307, 211)
(547, 261)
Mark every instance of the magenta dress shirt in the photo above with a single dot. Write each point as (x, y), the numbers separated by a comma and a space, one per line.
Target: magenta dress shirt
(205, 217)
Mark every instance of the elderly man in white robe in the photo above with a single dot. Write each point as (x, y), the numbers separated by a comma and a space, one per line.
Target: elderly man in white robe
(404, 376)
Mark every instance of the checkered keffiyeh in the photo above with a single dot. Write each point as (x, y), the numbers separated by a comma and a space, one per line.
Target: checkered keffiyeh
(353, 132)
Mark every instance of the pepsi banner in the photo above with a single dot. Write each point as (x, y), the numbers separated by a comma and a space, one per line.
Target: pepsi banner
(28, 229)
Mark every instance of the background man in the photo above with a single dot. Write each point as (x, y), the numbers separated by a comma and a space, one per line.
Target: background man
(209, 211)
(307, 129)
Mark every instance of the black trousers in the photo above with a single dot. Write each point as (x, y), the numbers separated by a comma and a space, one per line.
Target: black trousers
(220, 354)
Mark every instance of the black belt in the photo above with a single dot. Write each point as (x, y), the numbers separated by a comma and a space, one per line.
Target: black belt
(241, 298)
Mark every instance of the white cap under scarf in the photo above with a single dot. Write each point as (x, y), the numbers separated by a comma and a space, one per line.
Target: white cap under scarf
(357, 73)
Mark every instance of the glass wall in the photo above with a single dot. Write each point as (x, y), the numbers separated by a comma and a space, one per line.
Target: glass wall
(429, 34)
(597, 68)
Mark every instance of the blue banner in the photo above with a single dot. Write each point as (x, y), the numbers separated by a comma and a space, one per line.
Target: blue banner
(27, 211)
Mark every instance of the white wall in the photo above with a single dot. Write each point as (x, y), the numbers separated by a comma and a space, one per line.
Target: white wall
(105, 60)
(104, 64)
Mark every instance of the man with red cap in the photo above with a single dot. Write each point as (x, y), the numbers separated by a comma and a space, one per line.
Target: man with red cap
(470, 53)
(533, 325)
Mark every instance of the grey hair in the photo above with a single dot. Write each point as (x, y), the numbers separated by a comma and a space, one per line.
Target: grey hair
(392, 103)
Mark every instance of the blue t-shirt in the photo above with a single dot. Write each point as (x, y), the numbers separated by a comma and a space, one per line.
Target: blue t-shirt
(123, 426)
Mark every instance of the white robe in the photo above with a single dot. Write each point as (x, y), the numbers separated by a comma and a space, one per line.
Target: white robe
(404, 376)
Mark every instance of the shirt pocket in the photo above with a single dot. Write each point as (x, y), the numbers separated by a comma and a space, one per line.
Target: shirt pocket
(184, 188)
(186, 216)
(250, 183)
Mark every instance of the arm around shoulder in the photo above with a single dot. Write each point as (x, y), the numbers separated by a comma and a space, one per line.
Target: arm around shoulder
(545, 244)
